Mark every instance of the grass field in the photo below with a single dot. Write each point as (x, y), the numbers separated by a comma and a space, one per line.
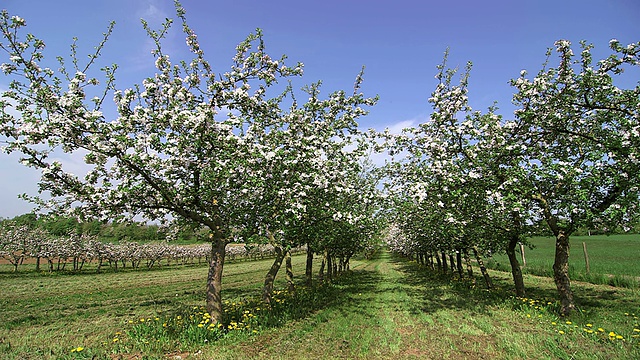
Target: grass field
(613, 259)
(386, 308)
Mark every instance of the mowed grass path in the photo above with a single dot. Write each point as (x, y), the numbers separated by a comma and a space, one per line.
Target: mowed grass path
(384, 308)
(391, 309)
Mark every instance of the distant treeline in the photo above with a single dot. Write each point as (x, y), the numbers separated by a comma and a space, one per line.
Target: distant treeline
(105, 231)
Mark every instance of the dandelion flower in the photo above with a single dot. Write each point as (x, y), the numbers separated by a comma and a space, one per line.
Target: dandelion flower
(561, 332)
(589, 325)
(569, 323)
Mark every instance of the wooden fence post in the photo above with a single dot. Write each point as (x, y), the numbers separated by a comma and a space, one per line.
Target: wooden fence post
(524, 261)
(586, 256)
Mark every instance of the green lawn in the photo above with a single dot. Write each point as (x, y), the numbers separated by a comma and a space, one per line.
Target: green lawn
(613, 259)
(385, 308)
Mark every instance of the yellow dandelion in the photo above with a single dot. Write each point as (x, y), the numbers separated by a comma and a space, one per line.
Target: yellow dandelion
(561, 332)
(528, 315)
(569, 323)
(619, 337)
(201, 325)
(589, 325)
(636, 330)
(116, 340)
(554, 323)
(601, 329)
(612, 334)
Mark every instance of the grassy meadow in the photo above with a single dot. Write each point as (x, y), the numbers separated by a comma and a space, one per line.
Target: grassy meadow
(613, 259)
(385, 308)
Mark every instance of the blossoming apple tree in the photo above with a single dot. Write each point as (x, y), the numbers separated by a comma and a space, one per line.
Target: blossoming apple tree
(579, 141)
(186, 145)
(448, 181)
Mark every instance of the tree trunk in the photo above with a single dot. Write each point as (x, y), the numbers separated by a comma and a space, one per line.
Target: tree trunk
(321, 271)
(329, 265)
(289, 268)
(444, 262)
(467, 260)
(438, 262)
(452, 263)
(459, 263)
(335, 267)
(267, 290)
(483, 269)
(347, 262)
(214, 278)
(516, 271)
(561, 273)
(309, 269)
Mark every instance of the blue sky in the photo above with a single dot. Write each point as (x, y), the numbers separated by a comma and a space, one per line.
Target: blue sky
(400, 42)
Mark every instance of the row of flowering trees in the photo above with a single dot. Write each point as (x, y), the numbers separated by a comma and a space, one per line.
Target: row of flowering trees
(227, 151)
(19, 243)
(570, 158)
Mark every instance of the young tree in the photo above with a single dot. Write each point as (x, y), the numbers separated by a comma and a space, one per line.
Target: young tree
(177, 149)
(579, 146)
(304, 153)
(453, 177)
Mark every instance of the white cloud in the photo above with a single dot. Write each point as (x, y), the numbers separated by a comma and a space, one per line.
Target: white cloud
(152, 13)
(396, 128)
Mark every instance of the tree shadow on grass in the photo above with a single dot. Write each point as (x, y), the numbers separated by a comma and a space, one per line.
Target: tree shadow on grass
(436, 291)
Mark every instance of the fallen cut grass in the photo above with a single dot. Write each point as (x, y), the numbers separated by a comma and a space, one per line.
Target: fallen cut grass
(385, 308)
